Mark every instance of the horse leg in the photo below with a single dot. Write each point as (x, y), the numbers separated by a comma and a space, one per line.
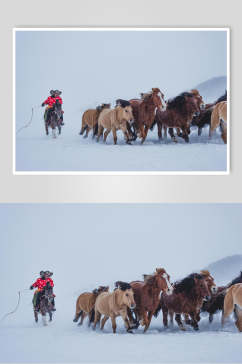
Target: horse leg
(50, 315)
(185, 134)
(83, 315)
(165, 314)
(145, 134)
(104, 320)
(199, 133)
(126, 321)
(44, 318)
(178, 132)
(54, 133)
(179, 322)
(210, 318)
(100, 132)
(97, 319)
(171, 132)
(214, 122)
(83, 129)
(114, 135)
(46, 128)
(159, 127)
(105, 135)
(194, 321)
(114, 326)
(77, 315)
(187, 319)
(95, 130)
(171, 314)
(150, 315)
(36, 315)
(59, 129)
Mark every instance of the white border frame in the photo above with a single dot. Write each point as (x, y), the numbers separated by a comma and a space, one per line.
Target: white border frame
(120, 173)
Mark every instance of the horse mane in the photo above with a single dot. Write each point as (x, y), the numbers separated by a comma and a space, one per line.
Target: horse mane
(205, 273)
(122, 103)
(179, 102)
(187, 284)
(236, 280)
(122, 285)
(222, 98)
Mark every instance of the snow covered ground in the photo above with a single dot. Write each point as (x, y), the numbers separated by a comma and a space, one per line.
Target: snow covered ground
(71, 152)
(88, 245)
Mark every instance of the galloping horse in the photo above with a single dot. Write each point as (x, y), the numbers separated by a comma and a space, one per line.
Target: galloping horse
(90, 119)
(45, 305)
(178, 114)
(144, 111)
(187, 298)
(85, 304)
(114, 304)
(219, 117)
(233, 302)
(147, 295)
(54, 119)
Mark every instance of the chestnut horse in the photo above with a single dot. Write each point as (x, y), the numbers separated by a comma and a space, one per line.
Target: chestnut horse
(147, 295)
(178, 114)
(187, 298)
(85, 304)
(233, 302)
(219, 118)
(144, 111)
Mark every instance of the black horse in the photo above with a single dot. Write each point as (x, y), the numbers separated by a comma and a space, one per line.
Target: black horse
(45, 304)
(54, 119)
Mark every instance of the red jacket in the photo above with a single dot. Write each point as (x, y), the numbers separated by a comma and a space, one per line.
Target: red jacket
(41, 283)
(52, 100)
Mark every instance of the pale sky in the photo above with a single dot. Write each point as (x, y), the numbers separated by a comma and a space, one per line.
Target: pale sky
(88, 244)
(95, 67)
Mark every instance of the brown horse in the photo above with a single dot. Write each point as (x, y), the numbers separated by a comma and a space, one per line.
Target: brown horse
(219, 118)
(233, 302)
(85, 304)
(90, 118)
(114, 304)
(187, 298)
(178, 114)
(212, 288)
(147, 295)
(144, 111)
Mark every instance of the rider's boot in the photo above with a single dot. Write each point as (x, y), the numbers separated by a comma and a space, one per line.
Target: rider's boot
(62, 123)
(53, 303)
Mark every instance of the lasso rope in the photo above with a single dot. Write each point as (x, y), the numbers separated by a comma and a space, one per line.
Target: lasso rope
(12, 312)
(29, 122)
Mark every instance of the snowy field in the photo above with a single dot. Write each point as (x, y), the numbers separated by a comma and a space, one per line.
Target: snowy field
(71, 152)
(89, 245)
(86, 83)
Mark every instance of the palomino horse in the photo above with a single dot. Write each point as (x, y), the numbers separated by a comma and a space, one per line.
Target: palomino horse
(114, 120)
(85, 304)
(233, 302)
(90, 118)
(147, 295)
(54, 120)
(219, 117)
(178, 114)
(45, 305)
(114, 304)
(187, 298)
(144, 111)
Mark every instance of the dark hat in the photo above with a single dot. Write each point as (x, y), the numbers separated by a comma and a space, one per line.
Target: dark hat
(58, 92)
(52, 92)
(41, 273)
(48, 273)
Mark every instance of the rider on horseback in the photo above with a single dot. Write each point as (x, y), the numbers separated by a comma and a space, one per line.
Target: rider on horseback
(50, 102)
(40, 283)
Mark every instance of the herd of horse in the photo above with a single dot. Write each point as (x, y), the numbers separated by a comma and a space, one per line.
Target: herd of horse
(137, 302)
(136, 117)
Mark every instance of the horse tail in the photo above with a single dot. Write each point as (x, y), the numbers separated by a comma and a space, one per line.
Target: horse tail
(228, 304)
(84, 125)
(92, 315)
(77, 316)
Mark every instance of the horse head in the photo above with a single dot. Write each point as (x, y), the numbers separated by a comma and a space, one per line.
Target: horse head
(164, 281)
(127, 293)
(210, 281)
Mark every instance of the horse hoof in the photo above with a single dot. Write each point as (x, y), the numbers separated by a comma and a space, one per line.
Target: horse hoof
(196, 328)
(182, 328)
